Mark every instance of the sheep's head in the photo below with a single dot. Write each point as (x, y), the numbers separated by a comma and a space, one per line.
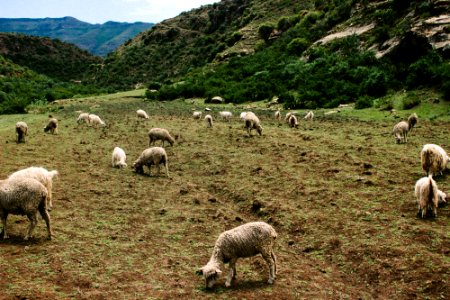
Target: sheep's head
(121, 164)
(442, 197)
(138, 167)
(211, 273)
(259, 129)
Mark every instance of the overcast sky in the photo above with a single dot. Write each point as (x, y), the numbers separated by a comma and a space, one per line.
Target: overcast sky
(99, 11)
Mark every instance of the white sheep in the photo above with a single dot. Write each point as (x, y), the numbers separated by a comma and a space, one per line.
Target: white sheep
(83, 117)
(96, 121)
(252, 122)
(21, 131)
(151, 156)
(209, 121)
(246, 240)
(293, 121)
(40, 174)
(428, 196)
(197, 114)
(309, 116)
(52, 126)
(141, 114)
(277, 115)
(242, 115)
(226, 115)
(434, 159)
(288, 115)
(118, 158)
(24, 196)
(402, 128)
(162, 134)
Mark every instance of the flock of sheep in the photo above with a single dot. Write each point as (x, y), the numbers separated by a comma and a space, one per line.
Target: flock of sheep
(29, 191)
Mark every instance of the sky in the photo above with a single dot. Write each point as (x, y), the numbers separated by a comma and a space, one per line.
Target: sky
(100, 11)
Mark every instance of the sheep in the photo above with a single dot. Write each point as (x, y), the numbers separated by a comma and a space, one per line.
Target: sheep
(162, 134)
(252, 122)
(151, 156)
(434, 159)
(21, 131)
(442, 198)
(141, 114)
(83, 117)
(427, 195)
(402, 128)
(277, 115)
(24, 196)
(52, 126)
(309, 116)
(209, 121)
(96, 121)
(242, 115)
(118, 158)
(40, 174)
(243, 241)
(197, 114)
(226, 115)
(288, 115)
(293, 121)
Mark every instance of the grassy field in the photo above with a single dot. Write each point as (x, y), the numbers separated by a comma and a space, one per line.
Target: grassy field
(338, 190)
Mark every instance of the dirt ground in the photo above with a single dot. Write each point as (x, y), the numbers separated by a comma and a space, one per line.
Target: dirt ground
(338, 191)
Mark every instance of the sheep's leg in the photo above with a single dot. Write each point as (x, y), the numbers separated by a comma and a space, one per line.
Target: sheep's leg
(4, 217)
(44, 213)
(435, 211)
(271, 262)
(166, 165)
(275, 263)
(231, 272)
(419, 212)
(49, 198)
(33, 222)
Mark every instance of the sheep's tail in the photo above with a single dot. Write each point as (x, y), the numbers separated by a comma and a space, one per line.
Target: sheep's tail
(431, 192)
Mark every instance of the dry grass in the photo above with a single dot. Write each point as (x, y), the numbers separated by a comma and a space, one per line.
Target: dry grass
(339, 192)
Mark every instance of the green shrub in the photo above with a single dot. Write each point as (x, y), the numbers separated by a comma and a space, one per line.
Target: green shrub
(265, 30)
(363, 102)
(409, 103)
(297, 46)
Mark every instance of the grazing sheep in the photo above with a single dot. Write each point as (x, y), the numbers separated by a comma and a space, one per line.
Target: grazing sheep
(209, 121)
(252, 122)
(293, 121)
(141, 114)
(40, 174)
(442, 198)
(434, 159)
(426, 192)
(96, 121)
(52, 126)
(197, 114)
(242, 115)
(21, 131)
(83, 117)
(277, 115)
(226, 115)
(309, 116)
(243, 241)
(402, 128)
(162, 134)
(288, 115)
(151, 156)
(24, 196)
(118, 158)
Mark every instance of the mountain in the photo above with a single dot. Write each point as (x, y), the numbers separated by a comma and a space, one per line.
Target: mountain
(306, 53)
(98, 39)
(51, 57)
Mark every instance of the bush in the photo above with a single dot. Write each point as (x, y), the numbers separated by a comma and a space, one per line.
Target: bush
(297, 46)
(410, 103)
(363, 102)
(265, 30)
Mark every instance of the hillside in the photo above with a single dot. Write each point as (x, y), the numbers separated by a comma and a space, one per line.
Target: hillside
(50, 57)
(98, 39)
(256, 50)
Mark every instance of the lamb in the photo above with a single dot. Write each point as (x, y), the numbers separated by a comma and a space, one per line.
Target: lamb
(226, 115)
(402, 128)
(252, 122)
(40, 174)
(277, 115)
(209, 121)
(293, 121)
(24, 196)
(118, 158)
(141, 114)
(434, 159)
(197, 114)
(96, 121)
(21, 131)
(427, 195)
(83, 117)
(162, 134)
(309, 116)
(151, 156)
(243, 241)
(52, 126)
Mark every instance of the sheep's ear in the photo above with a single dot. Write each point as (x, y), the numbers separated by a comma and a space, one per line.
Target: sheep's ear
(199, 272)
